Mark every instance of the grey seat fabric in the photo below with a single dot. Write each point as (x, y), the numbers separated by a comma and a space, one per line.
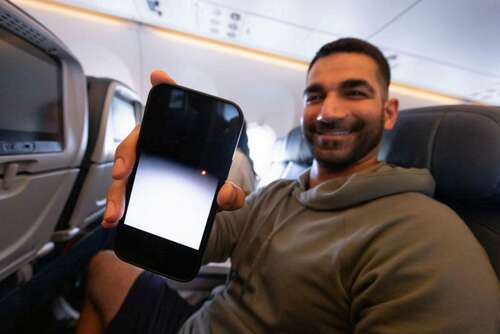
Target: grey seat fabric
(87, 200)
(460, 145)
(291, 157)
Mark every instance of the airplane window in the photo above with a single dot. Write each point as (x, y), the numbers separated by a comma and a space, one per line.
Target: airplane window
(123, 118)
(31, 110)
(261, 138)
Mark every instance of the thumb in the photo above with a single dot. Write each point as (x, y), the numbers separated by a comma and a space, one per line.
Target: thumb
(230, 197)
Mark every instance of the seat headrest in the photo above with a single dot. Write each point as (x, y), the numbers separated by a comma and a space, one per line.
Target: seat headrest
(459, 144)
(292, 147)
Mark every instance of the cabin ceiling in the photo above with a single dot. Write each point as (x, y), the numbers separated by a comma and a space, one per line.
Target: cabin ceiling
(447, 46)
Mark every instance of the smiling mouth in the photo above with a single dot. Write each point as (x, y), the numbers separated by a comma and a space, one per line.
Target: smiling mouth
(333, 134)
(331, 139)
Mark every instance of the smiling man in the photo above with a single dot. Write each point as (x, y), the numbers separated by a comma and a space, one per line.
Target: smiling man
(346, 107)
(352, 246)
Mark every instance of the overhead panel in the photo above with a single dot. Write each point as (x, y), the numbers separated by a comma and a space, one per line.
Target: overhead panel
(461, 33)
(448, 46)
(250, 30)
(291, 28)
(443, 78)
(359, 18)
(220, 22)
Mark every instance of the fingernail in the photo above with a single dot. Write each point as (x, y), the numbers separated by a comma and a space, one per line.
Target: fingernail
(118, 166)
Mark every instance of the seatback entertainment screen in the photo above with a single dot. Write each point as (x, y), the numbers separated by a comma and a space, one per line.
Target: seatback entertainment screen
(123, 117)
(30, 98)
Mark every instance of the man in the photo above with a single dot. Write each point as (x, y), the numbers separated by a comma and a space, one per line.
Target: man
(352, 246)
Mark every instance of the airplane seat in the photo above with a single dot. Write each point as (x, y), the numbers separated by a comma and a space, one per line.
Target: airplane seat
(114, 110)
(460, 145)
(291, 157)
(43, 133)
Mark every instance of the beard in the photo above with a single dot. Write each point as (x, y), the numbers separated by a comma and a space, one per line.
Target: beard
(339, 154)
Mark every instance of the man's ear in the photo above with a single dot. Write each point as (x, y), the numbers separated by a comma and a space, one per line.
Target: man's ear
(391, 109)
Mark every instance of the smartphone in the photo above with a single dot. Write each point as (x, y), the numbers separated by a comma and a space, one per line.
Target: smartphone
(185, 148)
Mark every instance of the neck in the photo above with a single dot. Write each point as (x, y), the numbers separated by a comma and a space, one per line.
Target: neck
(321, 174)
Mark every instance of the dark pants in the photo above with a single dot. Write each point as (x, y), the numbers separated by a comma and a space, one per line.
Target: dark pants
(151, 306)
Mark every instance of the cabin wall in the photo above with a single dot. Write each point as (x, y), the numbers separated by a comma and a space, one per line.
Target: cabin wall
(269, 91)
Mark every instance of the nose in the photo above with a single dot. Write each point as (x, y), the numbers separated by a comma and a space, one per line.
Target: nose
(331, 109)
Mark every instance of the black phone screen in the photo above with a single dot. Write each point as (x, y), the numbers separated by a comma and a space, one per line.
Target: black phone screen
(184, 152)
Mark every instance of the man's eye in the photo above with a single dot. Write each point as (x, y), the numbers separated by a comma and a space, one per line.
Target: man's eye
(356, 93)
(313, 98)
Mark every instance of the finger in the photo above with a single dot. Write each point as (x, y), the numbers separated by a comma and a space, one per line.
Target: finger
(230, 197)
(115, 203)
(125, 155)
(158, 77)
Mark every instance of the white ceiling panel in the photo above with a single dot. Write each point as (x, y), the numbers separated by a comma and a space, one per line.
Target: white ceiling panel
(462, 33)
(358, 18)
(275, 36)
(314, 42)
(444, 79)
(122, 8)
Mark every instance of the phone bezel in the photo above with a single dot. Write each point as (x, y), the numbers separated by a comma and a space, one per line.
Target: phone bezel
(154, 253)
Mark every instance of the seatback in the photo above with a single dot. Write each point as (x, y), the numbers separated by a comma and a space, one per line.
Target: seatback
(114, 110)
(291, 157)
(460, 145)
(43, 133)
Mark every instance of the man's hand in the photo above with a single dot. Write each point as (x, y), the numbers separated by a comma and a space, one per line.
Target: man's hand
(230, 196)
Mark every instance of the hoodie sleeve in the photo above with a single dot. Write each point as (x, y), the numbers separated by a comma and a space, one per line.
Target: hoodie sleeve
(420, 270)
(226, 231)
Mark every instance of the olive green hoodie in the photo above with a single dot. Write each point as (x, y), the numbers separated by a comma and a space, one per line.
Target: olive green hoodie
(369, 253)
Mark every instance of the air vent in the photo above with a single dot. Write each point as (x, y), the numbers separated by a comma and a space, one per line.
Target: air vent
(15, 25)
(154, 6)
(486, 94)
(392, 58)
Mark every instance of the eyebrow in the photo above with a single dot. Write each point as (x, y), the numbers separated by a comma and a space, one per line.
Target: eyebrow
(347, 84)
(353, 83)
(314, 88)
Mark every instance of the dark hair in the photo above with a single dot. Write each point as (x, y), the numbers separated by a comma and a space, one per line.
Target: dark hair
(355, 45)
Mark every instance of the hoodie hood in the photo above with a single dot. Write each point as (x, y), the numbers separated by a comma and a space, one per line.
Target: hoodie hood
(375, 182)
